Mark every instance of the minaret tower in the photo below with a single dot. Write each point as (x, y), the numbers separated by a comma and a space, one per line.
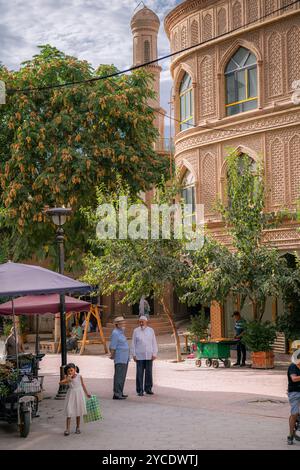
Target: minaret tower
(145, 26)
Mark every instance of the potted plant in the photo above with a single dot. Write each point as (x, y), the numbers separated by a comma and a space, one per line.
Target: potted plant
(259, 338)
(198, 329)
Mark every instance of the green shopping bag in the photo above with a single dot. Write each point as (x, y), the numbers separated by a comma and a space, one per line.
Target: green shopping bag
(93, 410)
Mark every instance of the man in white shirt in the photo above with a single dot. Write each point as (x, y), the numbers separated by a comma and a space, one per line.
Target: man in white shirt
(144, 351)
(144, 308)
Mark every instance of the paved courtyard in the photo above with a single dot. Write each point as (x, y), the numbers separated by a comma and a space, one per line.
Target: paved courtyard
(193, 408)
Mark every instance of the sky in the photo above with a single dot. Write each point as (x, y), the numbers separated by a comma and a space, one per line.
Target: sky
(95, 30)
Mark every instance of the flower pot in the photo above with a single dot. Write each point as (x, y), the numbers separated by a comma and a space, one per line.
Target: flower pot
(262, 360)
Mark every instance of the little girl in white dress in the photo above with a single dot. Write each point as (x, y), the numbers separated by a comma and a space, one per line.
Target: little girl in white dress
(75, 402)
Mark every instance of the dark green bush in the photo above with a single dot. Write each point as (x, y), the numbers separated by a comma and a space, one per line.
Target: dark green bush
(259, 336)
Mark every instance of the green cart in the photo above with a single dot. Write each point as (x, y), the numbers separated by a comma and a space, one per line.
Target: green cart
(213, 352)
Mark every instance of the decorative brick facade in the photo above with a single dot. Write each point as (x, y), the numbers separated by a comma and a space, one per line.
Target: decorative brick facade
(270, 133)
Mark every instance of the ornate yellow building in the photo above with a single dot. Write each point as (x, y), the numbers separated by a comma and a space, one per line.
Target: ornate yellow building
(234, 90)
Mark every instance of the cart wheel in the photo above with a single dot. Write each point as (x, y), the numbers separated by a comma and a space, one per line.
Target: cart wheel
(208, 362)
(227, 363)
(24, 423)
(198, 363)
(215, 363)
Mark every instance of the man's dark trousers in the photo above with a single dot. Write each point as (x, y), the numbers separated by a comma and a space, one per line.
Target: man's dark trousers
(144, 368)
(241, 352)
(119, 379)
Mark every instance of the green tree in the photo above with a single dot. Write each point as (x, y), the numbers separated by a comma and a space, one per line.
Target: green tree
(138, 267)
(198, 328)
(250, 270)
(259, 336)
(57, 145)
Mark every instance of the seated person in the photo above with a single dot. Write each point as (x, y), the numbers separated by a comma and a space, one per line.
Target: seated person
(76, 334)
(10, 343)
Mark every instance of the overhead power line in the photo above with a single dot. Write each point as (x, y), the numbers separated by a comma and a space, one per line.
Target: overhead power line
(151, 62)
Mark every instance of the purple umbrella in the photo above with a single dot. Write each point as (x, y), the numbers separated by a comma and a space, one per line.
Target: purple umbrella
(23, 279)
(41, 304)
(18, 279)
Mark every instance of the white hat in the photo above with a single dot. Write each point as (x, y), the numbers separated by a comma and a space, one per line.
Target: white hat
(142, 317)
(296, 357)
(119, 319)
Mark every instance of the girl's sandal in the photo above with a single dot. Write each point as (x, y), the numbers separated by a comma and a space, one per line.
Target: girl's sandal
(77, 431)
(66, 433)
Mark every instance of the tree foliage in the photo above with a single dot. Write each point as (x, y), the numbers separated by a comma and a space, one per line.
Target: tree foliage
(259, 336)
(57, 145)
(198, 328)
(250, 270)
(138, 267)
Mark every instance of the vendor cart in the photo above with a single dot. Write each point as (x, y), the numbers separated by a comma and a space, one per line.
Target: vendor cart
(214, 351)
(19, 391)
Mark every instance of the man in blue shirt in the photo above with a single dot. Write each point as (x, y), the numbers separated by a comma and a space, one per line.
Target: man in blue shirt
(239, 327)
(119, 350)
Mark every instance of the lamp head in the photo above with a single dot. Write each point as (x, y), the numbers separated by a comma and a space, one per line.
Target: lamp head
(59, 214)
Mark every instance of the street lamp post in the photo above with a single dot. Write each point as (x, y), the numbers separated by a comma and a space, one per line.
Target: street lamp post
(59, 217)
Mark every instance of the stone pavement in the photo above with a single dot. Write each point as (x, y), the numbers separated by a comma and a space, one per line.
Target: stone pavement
(193, 408)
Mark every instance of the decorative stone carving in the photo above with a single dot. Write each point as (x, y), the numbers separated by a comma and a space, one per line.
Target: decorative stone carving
(192, 159)
(191, 7)
(207, 80)
(252, 10)
(236, 15)
(282, 236)
(293, 55)
(294, 158)
(275, 70)
(274, 136)
(183, 37)
(286, 4)
(252, 38)
(239, 130)
(176, 42)
(194, 33)
(269, 6)
(251, 142)
(147, 51)
(207, 26)
(276, 171)
(209, 182)
(222, 21)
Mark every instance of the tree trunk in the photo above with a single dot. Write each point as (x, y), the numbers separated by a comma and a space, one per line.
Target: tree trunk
(262, 310)
(243, 300)
(254, 307)
(175, 332)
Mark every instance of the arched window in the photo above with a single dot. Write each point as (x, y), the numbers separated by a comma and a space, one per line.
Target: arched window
(188, 192)
(186, 103)
(146, 51)
(241, 82)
